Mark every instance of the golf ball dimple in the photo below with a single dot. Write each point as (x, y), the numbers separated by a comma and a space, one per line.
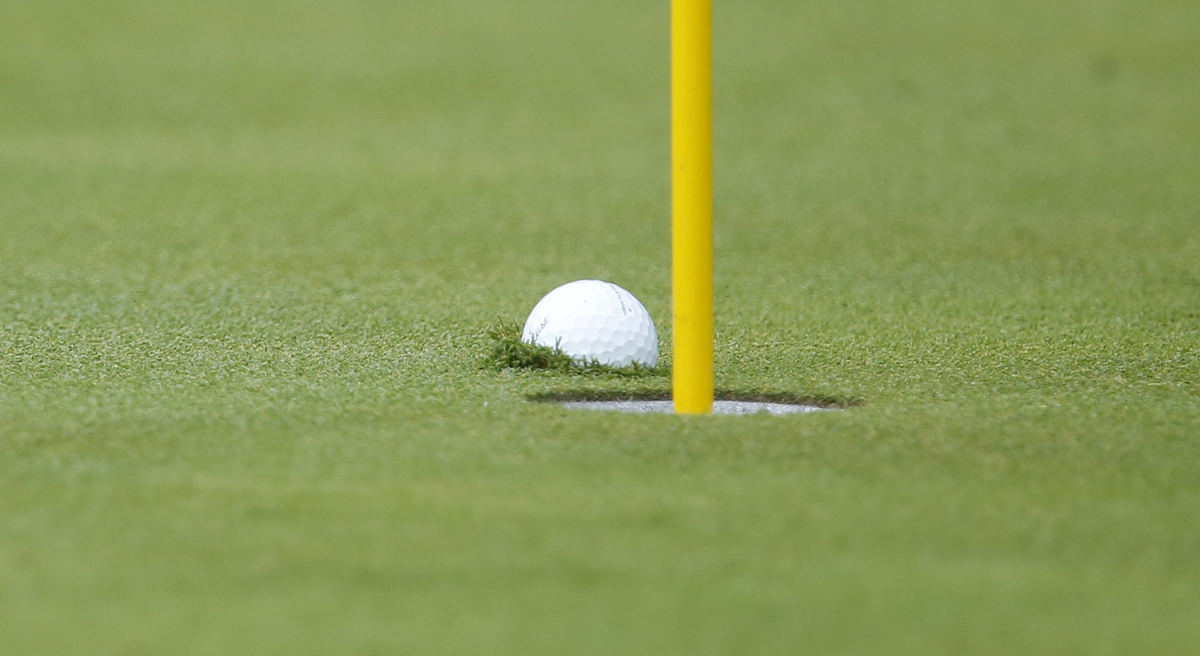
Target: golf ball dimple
(594, 320)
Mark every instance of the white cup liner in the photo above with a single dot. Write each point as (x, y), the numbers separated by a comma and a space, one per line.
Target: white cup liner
(719, 407)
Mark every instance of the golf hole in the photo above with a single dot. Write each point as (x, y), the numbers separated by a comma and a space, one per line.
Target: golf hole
(726, 403)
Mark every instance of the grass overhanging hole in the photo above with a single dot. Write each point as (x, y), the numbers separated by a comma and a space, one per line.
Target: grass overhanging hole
(509, 352)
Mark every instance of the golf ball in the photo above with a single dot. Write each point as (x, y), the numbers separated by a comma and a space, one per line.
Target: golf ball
(594, 319)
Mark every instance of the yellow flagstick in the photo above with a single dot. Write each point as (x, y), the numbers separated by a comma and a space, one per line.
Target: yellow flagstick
(691, 204)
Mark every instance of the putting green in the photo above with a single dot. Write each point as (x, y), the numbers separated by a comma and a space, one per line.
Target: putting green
(250, 254)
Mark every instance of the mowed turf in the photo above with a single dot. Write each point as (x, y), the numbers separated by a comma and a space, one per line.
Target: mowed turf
(250, 254)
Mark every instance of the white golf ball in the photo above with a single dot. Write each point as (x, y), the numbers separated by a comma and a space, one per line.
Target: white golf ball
(594, 320)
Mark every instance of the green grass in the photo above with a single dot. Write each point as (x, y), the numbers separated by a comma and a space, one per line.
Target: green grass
(251, 253)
